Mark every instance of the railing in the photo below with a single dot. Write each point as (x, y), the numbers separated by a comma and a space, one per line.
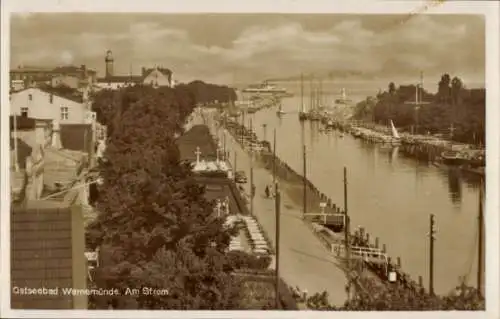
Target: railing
(329, 218)
(367, 254)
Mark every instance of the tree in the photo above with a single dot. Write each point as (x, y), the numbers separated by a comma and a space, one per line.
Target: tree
(444, 88)
(396, 298)
(392, 88)
(468, 113)
(155, 227)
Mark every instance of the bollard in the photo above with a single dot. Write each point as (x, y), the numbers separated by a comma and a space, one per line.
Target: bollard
(384, 249)
(398, 260)
(376, 242)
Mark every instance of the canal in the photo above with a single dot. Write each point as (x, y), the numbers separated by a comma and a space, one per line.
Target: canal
(389, 194)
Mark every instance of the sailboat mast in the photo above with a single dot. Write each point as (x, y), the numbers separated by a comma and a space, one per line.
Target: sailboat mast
(302, 92)
(421, 89)
(312, 94)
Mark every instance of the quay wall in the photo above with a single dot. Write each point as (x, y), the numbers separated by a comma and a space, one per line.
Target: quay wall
(360, 237)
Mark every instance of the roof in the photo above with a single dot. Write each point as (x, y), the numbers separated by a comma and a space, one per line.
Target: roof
(216, 186)
(64, 92)
(120, 79)
(42, 249)
(62, 167)
(67, 69)
(30, 69)
(164, 71)
(59, 69)
(222, 187)
(60, 91)
(197, 136)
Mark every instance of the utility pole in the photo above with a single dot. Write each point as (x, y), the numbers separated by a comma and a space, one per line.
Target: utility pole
(304, 184)
(274, 157)
(480, 258)
(346, 226)
(301, 92)
(252, 186)
(278, 210)
(16, 160)
(235, 161)
(432, 238)
(242, 125)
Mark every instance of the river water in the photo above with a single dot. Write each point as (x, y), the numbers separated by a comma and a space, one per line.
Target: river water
(390, 195)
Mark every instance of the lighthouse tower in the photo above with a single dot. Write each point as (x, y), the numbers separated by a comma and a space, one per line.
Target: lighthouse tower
(109, 63)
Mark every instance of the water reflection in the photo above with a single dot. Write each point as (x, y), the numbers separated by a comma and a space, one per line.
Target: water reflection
(393, 155)
(455, 185)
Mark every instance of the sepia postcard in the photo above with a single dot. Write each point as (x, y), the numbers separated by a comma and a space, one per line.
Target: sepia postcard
(230, 159)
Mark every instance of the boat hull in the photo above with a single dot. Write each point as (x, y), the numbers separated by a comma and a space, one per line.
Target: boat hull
(276, 91)
(453, 159)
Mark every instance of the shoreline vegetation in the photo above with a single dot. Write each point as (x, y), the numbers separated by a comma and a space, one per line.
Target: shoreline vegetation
(155, 228)
(454, 114)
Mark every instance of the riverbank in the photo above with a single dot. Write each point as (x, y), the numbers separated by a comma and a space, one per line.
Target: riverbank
(293, 183)
(304, 261)
(422, 147)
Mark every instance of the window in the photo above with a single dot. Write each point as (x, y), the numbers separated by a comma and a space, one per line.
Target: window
(30, 97)
(24, 112)
(64, 113)
(51, 98)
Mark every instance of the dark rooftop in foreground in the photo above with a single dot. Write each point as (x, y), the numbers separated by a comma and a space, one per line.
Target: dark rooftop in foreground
(197, 136)
(47, 251)
(217, 186)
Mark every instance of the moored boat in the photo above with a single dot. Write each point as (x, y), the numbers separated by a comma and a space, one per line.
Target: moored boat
(396, 139)
(454, 158)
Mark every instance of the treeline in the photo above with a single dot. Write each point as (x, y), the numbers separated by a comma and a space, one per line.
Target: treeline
(155, 229)
(454, 111)
(205, 93)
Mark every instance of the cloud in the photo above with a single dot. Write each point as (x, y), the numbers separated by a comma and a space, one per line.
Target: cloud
(259, 51)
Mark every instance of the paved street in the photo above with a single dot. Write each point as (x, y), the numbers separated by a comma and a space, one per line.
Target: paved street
(304, 261)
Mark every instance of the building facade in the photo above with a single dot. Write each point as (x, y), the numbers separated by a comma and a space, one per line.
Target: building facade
(26, 77)
(37, 103)
(156, 77)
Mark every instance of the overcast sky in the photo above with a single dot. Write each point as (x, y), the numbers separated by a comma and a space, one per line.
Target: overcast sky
(245, 47)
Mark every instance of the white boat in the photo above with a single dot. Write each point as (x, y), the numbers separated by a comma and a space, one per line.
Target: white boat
(280, 110)
(264, 88)
(396, 139)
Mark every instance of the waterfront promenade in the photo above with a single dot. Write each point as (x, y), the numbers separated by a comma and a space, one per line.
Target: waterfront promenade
(304, 261)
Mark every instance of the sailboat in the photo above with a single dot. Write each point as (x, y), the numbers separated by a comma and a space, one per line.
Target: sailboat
(302, 112)
(315, 116)
(396, 139)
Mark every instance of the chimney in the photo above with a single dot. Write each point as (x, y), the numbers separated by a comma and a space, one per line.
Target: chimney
(56, 135)
(83, 67)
